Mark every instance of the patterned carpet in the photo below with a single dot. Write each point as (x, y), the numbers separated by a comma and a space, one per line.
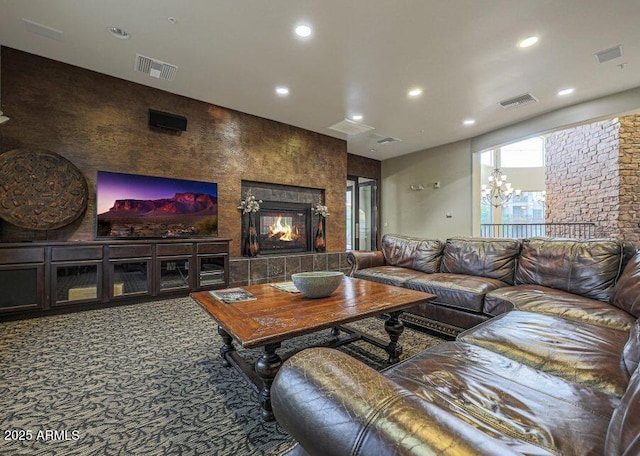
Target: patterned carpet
(138, 380)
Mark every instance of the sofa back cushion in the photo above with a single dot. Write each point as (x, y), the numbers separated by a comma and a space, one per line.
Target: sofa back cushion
(626, 293)
(485, 257)
(628, 252)
(631, 352)
(413, 253)
(586, 268)
(623, 436)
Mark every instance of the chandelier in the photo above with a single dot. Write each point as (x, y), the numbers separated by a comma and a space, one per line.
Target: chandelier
(498, 192)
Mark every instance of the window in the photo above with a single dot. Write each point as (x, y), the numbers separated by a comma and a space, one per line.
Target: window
(526, 208)
(524, 154)
(486, 158)
(523, 165)
(486, 213)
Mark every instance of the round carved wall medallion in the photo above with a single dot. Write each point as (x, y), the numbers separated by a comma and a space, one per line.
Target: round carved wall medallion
(40, 190)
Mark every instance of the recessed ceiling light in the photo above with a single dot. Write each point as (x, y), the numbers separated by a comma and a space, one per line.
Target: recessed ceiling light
(303, 30)
(357, 117)
(415, 92)
(528, 42)
(469, 122)
(564, 92)
(282, 91)
(119, 33)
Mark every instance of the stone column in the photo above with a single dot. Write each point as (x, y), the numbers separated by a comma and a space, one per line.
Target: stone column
(582, 177)
(593, 175)
(629, 160)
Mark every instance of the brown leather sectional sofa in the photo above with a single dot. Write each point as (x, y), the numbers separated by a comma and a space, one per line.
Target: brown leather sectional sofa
(556, 373)
(474, 278)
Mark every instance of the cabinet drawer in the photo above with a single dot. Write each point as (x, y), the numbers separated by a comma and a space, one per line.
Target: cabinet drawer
(174, 249)
(76, 253)
(26, 255)
(212, 248)
(129, 251)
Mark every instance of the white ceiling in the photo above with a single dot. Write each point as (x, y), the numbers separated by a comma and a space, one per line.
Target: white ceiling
(363, 57)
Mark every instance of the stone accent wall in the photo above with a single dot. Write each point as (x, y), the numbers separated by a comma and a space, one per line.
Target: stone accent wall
(364, 167)
(593, 175)
(629, 159)
(99, 122)
(582, 178)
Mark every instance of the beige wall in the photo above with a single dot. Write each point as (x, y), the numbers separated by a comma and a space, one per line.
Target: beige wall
(423, 213)
(606, 107)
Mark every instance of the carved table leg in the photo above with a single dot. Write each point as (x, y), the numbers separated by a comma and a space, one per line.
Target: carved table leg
(394, 328)
(227, 347)
(267, 367)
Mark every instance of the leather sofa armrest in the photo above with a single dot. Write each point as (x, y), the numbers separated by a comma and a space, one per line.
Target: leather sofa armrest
(363, 259)
(334, 405)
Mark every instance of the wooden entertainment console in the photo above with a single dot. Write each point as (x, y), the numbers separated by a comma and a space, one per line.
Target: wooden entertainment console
(39, 278)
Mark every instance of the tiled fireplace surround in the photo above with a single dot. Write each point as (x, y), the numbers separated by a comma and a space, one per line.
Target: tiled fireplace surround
(276, 268)
(279, 267)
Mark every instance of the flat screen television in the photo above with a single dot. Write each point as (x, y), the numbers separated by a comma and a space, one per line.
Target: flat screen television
(136, 206)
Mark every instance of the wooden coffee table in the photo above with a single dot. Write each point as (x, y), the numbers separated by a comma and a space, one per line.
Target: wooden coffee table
(277, 316)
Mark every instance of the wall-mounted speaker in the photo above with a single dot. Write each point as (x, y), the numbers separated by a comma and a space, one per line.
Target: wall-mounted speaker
(167, 120)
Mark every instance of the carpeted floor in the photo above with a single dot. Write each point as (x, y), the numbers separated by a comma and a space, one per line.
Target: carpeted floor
(139, 380)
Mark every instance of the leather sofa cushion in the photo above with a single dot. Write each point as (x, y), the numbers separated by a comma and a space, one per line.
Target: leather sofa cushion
(336, 406)
(623, 437)
(407, 252)
(389, 275)
(500, 396)
(626, 293)
(456, 290)
(587, 268)
(493, 258)
(577, 351)
(631, 353)
(548, 301)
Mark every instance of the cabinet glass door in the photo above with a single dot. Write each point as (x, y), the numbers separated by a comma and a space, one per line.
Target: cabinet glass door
(78, 282)
(211, 271)
(174, 273)
(130, 278)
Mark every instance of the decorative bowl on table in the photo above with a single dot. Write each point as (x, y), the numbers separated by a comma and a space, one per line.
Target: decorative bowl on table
(318, 284)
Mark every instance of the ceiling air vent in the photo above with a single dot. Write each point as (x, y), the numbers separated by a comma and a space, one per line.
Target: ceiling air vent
(43, 30)
(518, 101)
(387, 140)
(348, 127)
(155, 68)
(609, 54)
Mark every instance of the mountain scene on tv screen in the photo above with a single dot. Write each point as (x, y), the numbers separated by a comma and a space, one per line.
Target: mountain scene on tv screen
(184, 214)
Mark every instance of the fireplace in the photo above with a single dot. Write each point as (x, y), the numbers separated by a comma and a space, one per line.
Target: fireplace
(284, 227)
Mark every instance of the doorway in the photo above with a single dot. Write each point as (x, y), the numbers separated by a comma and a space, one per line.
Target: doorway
(362, 213)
